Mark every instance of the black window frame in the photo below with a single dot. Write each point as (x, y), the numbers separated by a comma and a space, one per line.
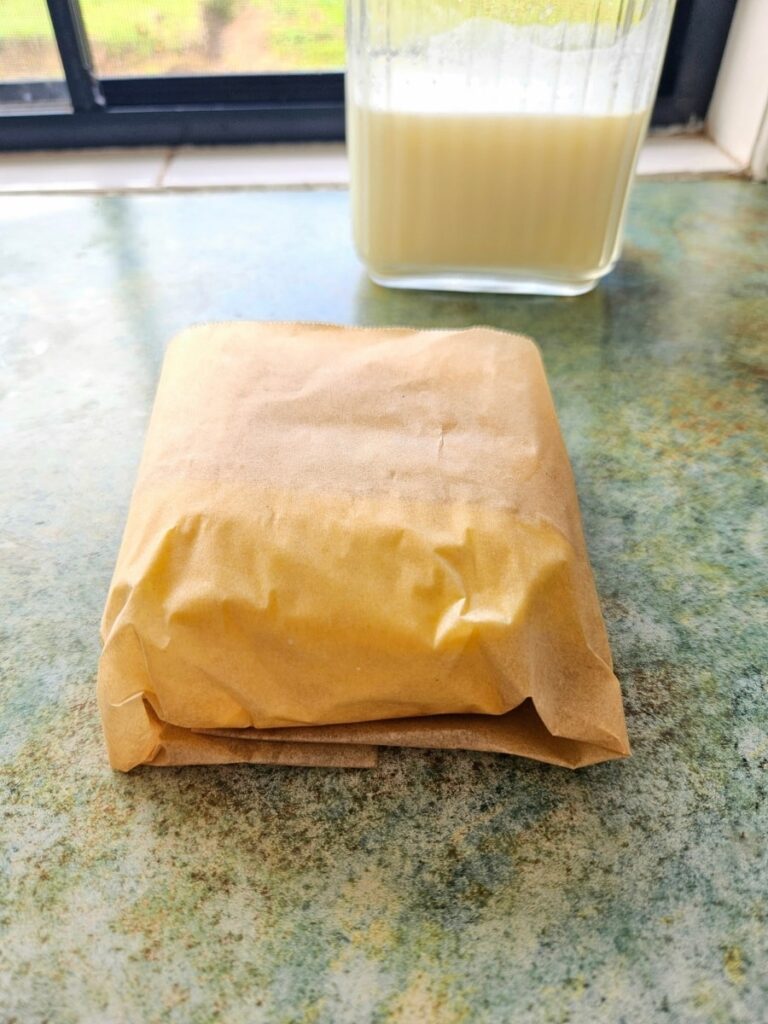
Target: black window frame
(204, 109)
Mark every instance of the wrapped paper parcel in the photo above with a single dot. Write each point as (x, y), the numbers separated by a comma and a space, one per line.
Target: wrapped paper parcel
(345, 538)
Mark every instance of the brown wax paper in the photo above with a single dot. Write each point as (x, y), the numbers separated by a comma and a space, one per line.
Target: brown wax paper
(346, 538)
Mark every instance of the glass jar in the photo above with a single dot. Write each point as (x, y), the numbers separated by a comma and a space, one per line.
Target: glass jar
(492, 143)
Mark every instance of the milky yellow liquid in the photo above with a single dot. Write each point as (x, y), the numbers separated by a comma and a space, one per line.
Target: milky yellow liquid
(531, 196)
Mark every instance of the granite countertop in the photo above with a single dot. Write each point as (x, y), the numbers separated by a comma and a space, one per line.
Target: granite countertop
(443, 886)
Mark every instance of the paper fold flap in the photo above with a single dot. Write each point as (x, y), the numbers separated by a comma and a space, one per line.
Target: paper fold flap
(518, 732)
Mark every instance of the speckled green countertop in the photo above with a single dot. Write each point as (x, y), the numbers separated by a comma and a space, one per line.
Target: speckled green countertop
(441, 887)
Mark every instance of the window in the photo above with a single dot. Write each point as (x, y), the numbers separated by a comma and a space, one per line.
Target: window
(30, 65)
(195, 37)
(107, 72)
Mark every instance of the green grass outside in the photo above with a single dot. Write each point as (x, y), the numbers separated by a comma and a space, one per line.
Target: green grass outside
(313, 31)
(297, 34)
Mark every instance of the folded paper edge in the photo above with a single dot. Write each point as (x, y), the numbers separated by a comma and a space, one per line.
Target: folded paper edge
(520, 732)
(135, 735)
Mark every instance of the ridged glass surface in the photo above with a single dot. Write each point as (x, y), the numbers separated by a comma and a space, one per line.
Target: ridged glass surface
(493, 144)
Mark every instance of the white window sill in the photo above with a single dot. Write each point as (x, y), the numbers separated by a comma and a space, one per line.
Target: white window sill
(309, 165)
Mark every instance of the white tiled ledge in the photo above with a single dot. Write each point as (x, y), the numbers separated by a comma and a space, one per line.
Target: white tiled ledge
(319, 165)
